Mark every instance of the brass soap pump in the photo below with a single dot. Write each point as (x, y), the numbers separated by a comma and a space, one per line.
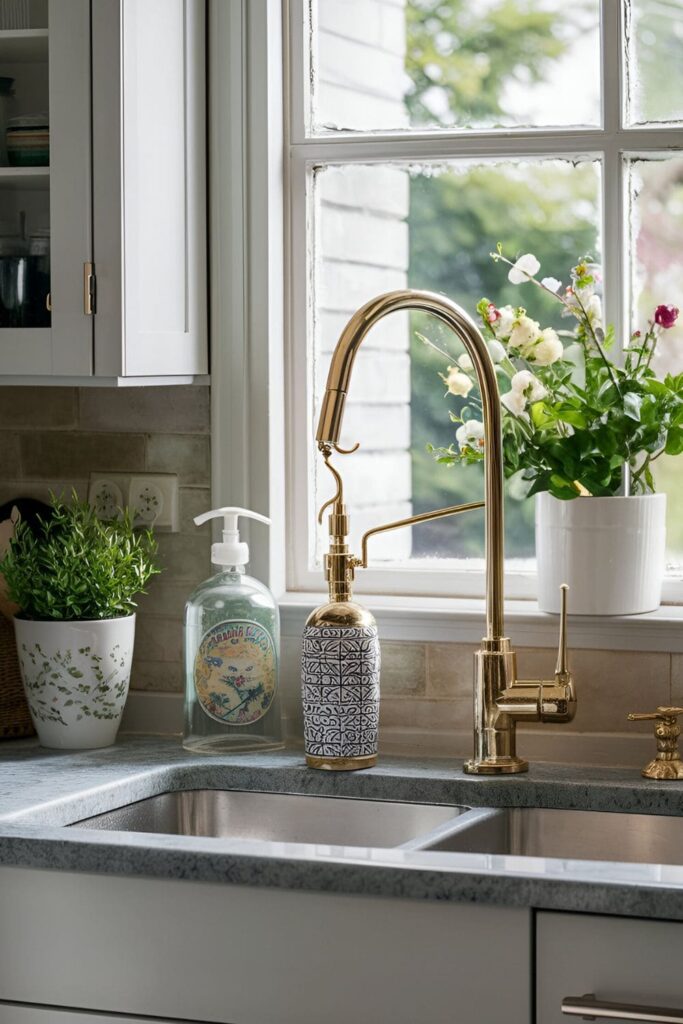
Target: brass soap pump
(341, 653)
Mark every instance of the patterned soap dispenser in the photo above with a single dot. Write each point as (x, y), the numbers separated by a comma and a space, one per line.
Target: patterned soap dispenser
(340, 661)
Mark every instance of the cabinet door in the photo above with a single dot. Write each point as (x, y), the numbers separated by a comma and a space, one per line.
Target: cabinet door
(15, 1013)
(149, 160)
(50, 66)
(623, 961)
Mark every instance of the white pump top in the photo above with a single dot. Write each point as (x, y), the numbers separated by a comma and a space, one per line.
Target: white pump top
(232, 551)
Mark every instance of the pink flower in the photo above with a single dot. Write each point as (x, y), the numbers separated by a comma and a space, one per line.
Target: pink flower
(492, 314)
(666, 316)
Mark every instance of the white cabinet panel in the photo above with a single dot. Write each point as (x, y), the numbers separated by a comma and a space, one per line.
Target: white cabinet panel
(13, 1013)
(617, 959)
(150, 188)
(243, 955)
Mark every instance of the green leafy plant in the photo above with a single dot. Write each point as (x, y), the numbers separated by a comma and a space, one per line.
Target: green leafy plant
(571, 417)
(76, 566)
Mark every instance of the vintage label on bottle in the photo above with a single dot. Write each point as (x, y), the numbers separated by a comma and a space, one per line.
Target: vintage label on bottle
(235, 672)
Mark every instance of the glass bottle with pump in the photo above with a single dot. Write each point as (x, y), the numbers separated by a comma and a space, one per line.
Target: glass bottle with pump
(232, 646)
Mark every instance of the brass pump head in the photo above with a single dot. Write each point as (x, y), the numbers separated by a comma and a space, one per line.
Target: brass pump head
(340, 564)
(667, 764)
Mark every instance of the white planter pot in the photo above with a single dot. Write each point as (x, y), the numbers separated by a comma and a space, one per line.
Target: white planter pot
(609, 550)
(76, 677)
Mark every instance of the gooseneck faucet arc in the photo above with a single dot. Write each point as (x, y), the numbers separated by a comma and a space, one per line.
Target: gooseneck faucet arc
(500, 699)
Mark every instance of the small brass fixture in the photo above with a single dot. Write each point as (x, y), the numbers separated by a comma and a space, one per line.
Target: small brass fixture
(500, 698)
(667, 764)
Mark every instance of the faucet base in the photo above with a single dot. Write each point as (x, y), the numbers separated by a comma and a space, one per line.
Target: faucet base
(495, 766)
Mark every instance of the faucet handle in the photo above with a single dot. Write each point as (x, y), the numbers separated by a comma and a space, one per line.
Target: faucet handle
(667, 764)
(561, 669)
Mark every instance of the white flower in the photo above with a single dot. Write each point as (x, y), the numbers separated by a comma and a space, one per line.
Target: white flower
(514, 402)
(464, 362)
(548, 349)
(496, 351)
(470, 434)
(458, 383)
(552, 283)
(525, 267)
(525, 334)
(503, 325)
(528, 385)
(594, 310)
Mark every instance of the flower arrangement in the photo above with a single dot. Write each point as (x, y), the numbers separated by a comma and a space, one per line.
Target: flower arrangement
(571, 417)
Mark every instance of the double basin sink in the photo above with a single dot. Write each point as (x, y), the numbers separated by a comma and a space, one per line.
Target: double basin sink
(338, 821)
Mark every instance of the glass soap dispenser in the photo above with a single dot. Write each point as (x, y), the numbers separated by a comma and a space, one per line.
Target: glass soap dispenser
(232, 646)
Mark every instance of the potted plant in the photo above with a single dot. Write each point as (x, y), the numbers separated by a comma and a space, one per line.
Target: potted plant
(582, 433)
(75, 579)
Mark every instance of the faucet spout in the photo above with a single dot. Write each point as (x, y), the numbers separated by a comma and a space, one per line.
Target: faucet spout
(462, 325)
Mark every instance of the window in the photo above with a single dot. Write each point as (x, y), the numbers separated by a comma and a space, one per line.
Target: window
(423, 132)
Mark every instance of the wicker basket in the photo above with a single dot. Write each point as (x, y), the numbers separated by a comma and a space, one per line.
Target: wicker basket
(15, 719)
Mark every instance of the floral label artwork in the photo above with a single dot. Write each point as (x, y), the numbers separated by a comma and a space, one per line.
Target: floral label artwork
(235, 672)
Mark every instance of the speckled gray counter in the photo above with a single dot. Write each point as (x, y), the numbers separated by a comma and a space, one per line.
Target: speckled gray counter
(42, 791)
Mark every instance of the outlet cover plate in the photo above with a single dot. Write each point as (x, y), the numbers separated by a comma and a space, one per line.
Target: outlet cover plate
(151, 498)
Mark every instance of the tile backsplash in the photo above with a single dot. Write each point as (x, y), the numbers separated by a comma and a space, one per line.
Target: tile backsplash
(53, 438)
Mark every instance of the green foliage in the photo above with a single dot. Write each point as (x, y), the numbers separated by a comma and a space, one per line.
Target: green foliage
(77, 566)
(468, 57)
(570, 424)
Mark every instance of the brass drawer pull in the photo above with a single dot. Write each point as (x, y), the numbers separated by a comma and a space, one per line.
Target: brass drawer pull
(590, 1008)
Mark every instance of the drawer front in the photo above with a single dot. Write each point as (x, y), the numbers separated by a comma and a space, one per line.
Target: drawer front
(622, 962)
(13, 1013)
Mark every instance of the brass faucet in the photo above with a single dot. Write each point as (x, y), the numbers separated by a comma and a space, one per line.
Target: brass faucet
(500, 698)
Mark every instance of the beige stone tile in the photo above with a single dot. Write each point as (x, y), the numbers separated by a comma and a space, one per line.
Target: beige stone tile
(192, 502)
(41, 489)
(183, 557)
(396, 712)
(609, 684)
(450, 670)
(677, 679)
(404, 669)
(38, 408)
(10, 463)
(165, 597)
(154, 410)
(157, 676)
(76, 455)
(185, 454)
(158, 639)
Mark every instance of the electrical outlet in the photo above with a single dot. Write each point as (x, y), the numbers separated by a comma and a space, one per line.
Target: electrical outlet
(151, 499)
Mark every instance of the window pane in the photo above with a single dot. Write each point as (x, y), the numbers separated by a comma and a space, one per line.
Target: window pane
(655, 61)
(656, 190)
(432, 226)
(394, 64)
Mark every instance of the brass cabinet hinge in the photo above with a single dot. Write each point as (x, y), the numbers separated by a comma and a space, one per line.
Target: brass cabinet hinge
(89, 288)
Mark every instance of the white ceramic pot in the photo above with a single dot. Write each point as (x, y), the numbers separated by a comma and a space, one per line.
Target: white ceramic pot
(609, 550)
(76, 677)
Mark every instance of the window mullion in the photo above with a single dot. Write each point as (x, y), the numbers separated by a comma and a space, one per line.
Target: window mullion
(612, 176)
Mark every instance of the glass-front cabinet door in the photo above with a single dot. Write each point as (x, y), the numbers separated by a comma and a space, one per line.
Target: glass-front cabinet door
(45, 188)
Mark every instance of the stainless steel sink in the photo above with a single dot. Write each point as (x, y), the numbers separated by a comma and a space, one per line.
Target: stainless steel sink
(279, 817)
(568, 835)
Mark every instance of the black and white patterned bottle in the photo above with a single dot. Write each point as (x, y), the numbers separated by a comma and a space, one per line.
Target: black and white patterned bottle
(340, 687)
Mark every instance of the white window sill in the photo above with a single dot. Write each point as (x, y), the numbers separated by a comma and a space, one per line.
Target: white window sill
(461, 620)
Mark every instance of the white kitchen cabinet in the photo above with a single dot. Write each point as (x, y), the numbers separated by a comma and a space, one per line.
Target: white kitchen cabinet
(618, 960)
(124, 196)
(246, 955)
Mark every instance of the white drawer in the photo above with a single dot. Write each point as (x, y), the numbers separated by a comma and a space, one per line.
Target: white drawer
(619, 960)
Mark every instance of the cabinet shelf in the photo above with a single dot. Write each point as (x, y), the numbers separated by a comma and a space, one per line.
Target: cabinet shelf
(25, 177)
(23, 46)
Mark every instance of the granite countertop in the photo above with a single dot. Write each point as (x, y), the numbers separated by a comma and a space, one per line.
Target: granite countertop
(41, 791)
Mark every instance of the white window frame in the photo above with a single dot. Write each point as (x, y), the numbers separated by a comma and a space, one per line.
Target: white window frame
(305, 151)
(253, 337)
